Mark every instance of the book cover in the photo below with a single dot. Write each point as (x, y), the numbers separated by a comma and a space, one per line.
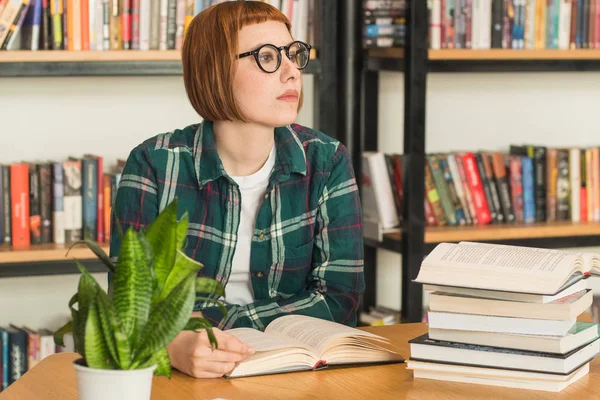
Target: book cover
(18, 353)
(475, 183)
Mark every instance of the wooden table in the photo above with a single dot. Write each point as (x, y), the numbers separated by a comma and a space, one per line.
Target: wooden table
(54, 379)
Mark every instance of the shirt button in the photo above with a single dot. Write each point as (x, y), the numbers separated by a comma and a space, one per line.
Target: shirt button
(259, 274)
(261, 235)
(266, 195)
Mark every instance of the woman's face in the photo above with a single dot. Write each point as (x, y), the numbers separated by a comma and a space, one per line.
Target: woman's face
(269, 99)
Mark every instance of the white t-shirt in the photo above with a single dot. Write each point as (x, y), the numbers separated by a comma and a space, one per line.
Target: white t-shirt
(252, 188)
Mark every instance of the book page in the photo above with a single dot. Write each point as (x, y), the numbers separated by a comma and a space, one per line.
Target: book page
(314, 332)
(261, 341)
(508, 259)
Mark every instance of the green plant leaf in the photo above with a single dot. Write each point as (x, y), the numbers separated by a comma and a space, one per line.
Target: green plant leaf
(59, 335)
(106, 313)
(132, 287)
(219, 304)
(86, 293)
(167, 319)
(209, 285)
(113, 329)
(162, 236)
(183, 267)
(198, 324)
(97, 250)
(96, 351)
(182, 228)
(163, 363)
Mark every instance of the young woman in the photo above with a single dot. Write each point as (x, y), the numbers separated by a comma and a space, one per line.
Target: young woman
(273, 206)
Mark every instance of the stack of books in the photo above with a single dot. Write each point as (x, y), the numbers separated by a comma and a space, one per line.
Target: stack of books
(506, 316)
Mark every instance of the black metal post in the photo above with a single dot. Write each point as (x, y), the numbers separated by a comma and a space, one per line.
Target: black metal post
(368, 142)
(350, 72)
(326, 116)
(413, 226)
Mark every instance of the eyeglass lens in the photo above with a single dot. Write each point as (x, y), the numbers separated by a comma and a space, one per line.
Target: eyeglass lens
(268, 57)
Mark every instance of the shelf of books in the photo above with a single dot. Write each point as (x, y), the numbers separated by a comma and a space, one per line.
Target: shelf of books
(530, 195)
(46, 39)
(45, 207)
(490, 36)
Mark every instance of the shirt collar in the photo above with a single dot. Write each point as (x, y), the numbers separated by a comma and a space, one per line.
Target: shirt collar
(290, 154)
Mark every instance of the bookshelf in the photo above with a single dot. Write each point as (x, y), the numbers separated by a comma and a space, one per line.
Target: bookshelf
(102, 63)
(416, 60)
(492, 60)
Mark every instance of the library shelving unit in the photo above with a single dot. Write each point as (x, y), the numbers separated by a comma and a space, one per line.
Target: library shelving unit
(51, 259)
(415, 240)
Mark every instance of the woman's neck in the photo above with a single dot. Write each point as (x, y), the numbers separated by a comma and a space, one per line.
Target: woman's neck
(243, 148)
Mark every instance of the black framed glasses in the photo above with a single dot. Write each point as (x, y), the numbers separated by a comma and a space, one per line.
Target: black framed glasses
(268, 56)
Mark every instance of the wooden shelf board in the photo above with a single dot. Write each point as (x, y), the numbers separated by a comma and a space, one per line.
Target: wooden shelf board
(88, 56)
(46, 252)
(507, 232)
(95, 56)
(494, 54)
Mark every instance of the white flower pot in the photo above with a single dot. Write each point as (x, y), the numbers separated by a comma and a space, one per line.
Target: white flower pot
(101, 384)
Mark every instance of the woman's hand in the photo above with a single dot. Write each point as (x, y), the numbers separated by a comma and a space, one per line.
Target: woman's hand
(190, 353)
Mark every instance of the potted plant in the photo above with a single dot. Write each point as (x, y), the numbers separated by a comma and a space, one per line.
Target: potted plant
(122, 335)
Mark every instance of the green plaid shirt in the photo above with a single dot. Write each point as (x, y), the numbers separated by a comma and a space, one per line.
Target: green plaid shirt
(307, 250)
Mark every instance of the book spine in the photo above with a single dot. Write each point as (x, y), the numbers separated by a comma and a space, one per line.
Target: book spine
(72, 201)
(116, 37)
(583, 210)
(389, 163)
(589, 184)
(530, 25)
(539, 169)
(18, 347)
(489, 176)
(575, 183)
(58, 212)
(107, 207)
(46, 202)
(35, 215)
(459, 188)
(1, 208)
(435, 25)
(563, 189)
(540, 24)
(474, 178)
(126, 24)
(486, 187)
(442, 188)
(434, 197)
(503, 187)
(135, 24)
(5, 378)
(516, 186)
(100, 200)
(527, 176)
(467, 190)
(458, 210)
(6, 205)
(596, 182)
(552, 172)
(89, 171)
(19, 182)
(145, 24)
(171, 23)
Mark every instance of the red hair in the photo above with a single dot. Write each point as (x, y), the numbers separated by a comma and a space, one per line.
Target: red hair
(210, 51)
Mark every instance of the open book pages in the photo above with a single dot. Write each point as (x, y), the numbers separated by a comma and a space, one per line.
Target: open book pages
(505, 268)
(298, 342)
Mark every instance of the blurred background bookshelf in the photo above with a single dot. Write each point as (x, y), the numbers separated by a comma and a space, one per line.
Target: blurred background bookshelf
(441, 75)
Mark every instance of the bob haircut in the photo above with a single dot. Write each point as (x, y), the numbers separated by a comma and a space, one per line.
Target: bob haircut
(209, 53)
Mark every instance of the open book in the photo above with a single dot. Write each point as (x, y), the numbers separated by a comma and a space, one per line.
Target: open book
(299, 343)
(506, 268)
